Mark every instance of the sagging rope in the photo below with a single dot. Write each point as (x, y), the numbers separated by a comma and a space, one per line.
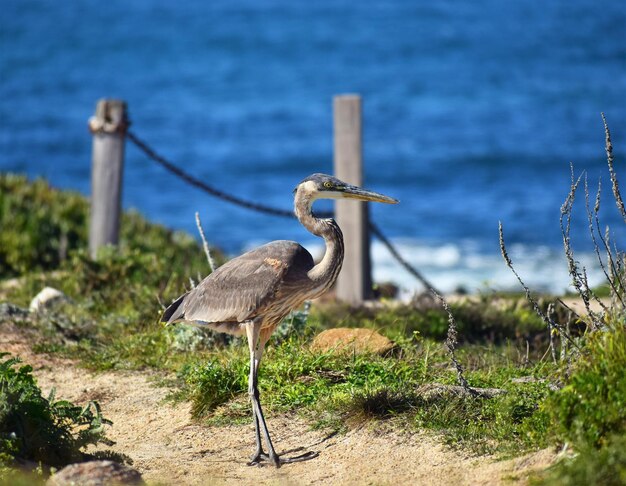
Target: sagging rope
(144, 147)
(202, 185)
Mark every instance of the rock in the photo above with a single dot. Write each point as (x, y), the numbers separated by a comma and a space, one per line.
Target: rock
(348, 340)
(46, 298)
(438, 391)
(95, 473)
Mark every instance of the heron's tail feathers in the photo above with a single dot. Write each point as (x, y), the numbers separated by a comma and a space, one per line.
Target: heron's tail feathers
(174, 312)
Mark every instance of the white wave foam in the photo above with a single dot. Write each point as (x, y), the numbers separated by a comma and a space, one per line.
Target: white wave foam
(451, 267)
(542, 268)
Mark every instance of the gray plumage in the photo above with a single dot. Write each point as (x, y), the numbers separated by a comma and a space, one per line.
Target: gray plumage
(243, 288)
(252, 293)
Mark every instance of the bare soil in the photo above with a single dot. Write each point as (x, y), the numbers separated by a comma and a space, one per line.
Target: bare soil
(168, 447)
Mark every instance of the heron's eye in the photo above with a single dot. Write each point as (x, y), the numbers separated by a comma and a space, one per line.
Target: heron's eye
(328, 184)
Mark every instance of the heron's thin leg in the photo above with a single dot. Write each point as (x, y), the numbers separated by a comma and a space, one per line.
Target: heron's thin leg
(252, 331)
(254, 390)
(256, 353)
(259, 446)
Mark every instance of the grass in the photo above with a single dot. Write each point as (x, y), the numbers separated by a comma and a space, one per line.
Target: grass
(110, 322)
(334, 389)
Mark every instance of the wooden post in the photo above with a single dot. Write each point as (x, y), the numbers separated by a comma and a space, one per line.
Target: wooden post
(354, 284)
(108, 127)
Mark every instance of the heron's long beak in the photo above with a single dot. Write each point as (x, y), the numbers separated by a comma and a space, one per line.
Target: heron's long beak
(354, 192)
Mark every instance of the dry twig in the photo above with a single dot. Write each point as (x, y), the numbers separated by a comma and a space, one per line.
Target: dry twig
(579, 278)
(451, 344)
(205, 245)
(609, 156)
(550, 323)
(593, 217)
(551, 331)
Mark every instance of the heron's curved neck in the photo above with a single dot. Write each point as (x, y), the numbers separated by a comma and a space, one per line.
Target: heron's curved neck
(326, 271)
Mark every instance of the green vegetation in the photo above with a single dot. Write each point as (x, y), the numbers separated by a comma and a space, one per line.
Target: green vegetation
(493, 318)
(605, 466)
(592, 405)
(46, 229)
(336, 389)
(111, 322)
(39, 226)
(42, 430)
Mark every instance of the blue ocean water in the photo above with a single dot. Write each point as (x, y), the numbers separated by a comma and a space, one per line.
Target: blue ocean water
(473, 112)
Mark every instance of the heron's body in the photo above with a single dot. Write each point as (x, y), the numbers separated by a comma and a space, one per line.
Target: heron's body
(266, 283)
(252, 293)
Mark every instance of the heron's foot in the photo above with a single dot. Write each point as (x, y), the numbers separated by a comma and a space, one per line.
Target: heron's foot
(258, 457)
(278, 461)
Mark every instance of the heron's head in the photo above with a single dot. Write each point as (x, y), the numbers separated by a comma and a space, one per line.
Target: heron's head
(322, 186)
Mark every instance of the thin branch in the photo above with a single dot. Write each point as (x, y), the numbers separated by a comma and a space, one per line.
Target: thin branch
(564, 354)
(205, 245)
(451, 344)
(161, 304)
(605, 242)
(618, 265)
(547, 320)
(578, 279)
(572, 311)
(593, 217)
(609, 157)
(551, 332)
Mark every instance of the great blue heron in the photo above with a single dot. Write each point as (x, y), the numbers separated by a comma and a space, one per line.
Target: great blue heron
(252, 293)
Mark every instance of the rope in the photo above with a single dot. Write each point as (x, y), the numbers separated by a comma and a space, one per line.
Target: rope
(202, 185)
(143, 146)
(394, 252)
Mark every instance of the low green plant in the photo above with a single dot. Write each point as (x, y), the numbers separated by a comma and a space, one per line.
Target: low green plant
(605, 466)
(43, 430)
(588, 413)
(116, 299)
(333, 389)
(592, 405)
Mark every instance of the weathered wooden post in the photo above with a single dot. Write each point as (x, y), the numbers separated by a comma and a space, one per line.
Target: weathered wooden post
(108, 127)
(354, 284)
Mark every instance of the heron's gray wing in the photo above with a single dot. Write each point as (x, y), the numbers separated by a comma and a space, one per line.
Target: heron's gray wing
(241, 288)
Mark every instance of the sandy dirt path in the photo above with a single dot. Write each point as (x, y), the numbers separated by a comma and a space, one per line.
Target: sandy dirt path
(167, 447)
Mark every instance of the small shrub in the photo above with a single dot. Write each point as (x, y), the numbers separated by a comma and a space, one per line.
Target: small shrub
(605, 466)
(591, 406)
(43, 430)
